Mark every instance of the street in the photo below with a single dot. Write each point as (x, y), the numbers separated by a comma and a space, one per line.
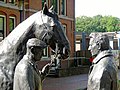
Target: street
(76, 82)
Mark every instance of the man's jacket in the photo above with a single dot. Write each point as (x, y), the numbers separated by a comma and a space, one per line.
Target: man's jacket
(103, 72)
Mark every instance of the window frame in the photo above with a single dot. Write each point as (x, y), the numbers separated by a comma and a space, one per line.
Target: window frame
(14, 19)
(44, 51)
(51, 1)
(4, 25)
(65, 7)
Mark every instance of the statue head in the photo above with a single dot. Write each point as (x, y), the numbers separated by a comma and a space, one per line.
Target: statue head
(98, 42)
(35, 48)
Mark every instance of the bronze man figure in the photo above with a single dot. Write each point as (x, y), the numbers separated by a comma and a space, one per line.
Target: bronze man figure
(103, 72)
(27, 76)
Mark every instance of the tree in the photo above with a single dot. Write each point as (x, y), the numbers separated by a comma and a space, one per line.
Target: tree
(97, 23)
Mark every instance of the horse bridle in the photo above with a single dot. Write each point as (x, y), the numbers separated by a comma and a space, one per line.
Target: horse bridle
(46, 34)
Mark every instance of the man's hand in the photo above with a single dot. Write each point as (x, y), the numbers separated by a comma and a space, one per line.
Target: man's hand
(46, 69)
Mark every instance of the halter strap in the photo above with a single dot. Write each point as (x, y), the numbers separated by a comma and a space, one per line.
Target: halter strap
(45, 34)
(43, 22)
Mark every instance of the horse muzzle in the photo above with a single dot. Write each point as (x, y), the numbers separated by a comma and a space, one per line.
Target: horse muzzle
(65, 53)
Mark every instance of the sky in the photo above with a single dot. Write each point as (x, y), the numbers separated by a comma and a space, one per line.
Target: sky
(97, 7)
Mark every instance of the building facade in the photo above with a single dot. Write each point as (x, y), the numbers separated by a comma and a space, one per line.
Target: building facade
(12, 12)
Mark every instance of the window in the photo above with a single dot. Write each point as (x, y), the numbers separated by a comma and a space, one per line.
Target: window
(63, 7)
(11, 23)
(12, 1)
(45, 53)
(55, 5)
(78, 46)
(2, 26)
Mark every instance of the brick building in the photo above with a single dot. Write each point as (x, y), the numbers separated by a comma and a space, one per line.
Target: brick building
(12, 12)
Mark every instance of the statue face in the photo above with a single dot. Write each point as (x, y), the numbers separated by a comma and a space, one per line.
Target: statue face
(93, 47)
(38, 53)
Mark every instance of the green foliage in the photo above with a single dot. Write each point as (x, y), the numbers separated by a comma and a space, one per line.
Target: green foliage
(97, 23)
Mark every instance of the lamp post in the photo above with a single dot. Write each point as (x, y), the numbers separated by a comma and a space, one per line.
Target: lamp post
(21, 9)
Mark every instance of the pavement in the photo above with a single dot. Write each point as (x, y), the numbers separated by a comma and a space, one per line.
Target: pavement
(76, 82)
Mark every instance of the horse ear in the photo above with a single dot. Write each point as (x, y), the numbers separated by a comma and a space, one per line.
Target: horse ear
(45, 9)
(51, 8)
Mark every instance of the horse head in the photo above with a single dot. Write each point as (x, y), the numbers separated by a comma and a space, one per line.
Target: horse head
(53, 32)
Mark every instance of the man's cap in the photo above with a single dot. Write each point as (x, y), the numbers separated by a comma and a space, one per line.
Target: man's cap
(34, 42)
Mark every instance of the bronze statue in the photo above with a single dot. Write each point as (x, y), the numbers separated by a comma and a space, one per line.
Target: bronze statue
(27, 76)
(43, 25)
(103, 72)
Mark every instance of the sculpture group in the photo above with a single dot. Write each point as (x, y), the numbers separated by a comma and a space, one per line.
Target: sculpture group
(43, 25)
(24, 45)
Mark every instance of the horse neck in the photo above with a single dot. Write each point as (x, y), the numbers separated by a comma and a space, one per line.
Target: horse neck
(20, 32)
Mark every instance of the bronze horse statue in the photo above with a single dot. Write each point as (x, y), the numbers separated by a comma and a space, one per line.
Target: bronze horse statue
(43, 25)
